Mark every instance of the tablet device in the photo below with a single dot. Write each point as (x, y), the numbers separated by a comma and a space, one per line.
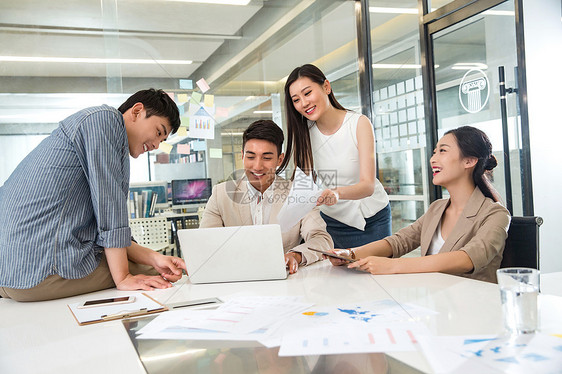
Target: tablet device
(330, 254)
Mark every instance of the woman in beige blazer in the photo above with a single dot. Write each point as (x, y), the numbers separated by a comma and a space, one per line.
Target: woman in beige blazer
(464, 234)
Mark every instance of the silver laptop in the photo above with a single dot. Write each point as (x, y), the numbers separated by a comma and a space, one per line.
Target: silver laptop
(233, 254)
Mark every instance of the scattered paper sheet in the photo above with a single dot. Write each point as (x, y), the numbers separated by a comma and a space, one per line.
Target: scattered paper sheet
(222, 112)
(380, 312)
(165, 147)
(318, 340)
(215, 152)
(203, 85)
(301, 200)
(171, 325)
(299, 328)
(182, 131)
(244, 315)
(209, 100)
(243, 318)
(196, 98)
(183, 149)
(186, 84)
(530, 353)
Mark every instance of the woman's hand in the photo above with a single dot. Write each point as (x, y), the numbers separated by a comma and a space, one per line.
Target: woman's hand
(142, 282)
(339, 252)
(375, 265)
(328, 197)
(169, 267)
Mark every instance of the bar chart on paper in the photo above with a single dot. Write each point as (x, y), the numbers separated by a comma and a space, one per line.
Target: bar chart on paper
(319, 341)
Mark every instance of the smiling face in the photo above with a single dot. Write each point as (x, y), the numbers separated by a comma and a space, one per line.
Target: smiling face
(448, 164)
(310, 98)
(260, 162)
(144, 134)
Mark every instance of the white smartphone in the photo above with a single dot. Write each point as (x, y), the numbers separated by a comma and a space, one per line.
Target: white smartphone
(106, 302)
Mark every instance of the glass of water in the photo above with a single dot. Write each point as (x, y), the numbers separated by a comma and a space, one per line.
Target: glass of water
(519, 288)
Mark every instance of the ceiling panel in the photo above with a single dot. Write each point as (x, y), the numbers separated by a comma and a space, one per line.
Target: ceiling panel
(332, 31)
(74, 28)
(151, 15)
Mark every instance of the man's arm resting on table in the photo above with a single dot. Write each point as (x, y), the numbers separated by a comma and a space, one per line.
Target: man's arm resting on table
(292, 260)
(169, 267)
(118, 261)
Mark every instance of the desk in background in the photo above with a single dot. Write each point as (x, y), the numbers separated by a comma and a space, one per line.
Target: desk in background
(179, 221)
(159, 233)
(47, 332)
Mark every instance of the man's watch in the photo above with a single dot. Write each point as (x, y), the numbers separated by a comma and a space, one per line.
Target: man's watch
(351, 253)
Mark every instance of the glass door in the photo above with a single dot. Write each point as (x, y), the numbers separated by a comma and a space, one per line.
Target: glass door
(471, 59)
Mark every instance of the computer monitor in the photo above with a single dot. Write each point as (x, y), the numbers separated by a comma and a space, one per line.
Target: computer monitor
(189, 192)
(158, 187)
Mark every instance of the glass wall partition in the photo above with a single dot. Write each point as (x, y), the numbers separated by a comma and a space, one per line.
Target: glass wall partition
(398, 107)
(474, 61)
(56, 60)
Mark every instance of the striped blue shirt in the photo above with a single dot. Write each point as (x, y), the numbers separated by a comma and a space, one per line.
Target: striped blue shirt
(66, 201)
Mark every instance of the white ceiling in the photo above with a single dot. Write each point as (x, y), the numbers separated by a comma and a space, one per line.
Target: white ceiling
(149, 29)
(241, 50)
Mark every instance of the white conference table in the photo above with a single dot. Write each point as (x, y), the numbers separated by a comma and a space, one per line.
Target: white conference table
(43, 337)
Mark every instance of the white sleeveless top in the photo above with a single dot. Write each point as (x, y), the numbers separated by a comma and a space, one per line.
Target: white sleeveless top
(336, 161)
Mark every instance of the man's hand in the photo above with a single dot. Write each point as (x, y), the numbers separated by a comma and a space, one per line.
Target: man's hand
(292, 261)
(169, 267)
(142, 282)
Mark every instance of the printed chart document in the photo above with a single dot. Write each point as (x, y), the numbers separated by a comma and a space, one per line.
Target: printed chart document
(301, 200)
(529, 353)
(346, 318)
(376, 326)
(318, 340)
(242, 318)
(176, 325)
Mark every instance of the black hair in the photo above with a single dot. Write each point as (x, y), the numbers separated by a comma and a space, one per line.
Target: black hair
(473, 142)
(156, 103)
(265, 129)
(297, 125)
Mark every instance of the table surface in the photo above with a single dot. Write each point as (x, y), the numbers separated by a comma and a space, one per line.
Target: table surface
(46, 334)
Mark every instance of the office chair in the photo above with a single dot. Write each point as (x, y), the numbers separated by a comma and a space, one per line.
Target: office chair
(151, 232)
(522, 243)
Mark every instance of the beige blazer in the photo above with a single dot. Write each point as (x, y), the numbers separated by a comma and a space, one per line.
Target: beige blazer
(480, 231)
(229, 206)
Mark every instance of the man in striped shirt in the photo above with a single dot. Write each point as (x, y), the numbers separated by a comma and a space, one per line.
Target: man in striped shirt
(64, 226)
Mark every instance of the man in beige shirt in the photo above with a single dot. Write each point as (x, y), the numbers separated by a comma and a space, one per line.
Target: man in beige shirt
(257, 197)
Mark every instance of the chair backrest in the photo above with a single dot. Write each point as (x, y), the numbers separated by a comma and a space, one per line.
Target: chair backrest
(151, 232)
(522, 243)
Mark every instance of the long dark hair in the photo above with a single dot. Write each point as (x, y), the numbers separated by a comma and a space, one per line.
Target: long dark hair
(297, 125)
(475, 143)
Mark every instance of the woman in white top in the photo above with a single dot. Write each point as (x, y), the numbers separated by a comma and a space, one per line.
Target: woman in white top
(338, 147)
